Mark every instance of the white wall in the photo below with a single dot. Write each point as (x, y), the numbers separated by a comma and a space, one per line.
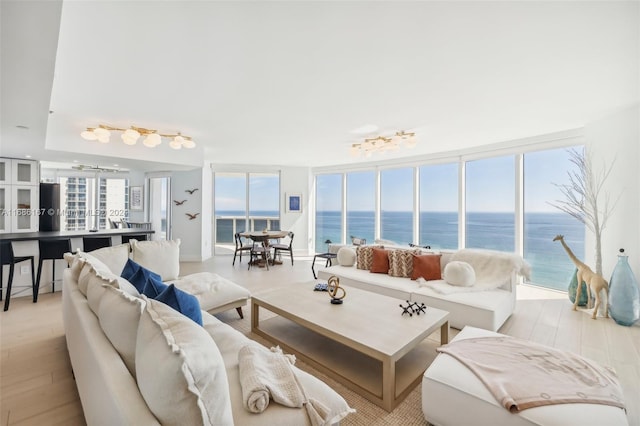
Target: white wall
(190, 232)
(297, 180)
(617, 138)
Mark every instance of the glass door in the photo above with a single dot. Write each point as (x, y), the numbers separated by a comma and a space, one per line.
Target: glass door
(159, 208)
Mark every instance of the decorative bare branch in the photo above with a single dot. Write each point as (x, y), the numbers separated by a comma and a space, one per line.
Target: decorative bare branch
(585, 199)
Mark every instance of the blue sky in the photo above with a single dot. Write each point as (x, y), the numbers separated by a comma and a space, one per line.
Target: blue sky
(490, 187)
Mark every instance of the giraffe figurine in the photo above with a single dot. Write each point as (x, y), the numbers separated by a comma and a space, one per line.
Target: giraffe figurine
(595, 283)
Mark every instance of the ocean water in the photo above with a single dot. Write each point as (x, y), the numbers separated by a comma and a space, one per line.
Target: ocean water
(551, 267)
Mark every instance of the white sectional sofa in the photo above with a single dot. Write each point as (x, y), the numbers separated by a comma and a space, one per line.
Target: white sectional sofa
(101, 340)
(487, 309)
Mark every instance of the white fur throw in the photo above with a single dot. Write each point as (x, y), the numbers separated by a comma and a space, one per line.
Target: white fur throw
(459, 274)
(493, 269)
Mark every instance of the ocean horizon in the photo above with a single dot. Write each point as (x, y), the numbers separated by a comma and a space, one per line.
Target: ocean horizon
(551, 267)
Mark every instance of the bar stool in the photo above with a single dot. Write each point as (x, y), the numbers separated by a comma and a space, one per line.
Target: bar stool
(6, 253)
(139, 237)
(51, 250)
(94, 243)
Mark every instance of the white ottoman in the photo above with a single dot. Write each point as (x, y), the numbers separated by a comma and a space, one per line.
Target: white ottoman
(453, 395)
(215, 293)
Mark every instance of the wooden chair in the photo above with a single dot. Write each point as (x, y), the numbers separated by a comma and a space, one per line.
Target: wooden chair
(240, 248)
(260, 250)
(279, 248)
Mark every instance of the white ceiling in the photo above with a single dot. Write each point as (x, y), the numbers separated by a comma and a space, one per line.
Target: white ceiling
(285, 83)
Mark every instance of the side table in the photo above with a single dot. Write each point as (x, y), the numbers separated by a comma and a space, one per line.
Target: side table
(328, 256)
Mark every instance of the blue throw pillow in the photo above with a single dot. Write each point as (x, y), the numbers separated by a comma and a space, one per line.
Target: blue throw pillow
(153, 287)
(182, 302)
(138, 275)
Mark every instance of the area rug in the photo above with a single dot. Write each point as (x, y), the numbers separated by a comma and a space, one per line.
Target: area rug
(408, 413)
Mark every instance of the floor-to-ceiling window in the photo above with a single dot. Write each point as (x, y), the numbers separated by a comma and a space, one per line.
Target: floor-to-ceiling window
(361, 205)
(490, 193)
(490, 199)
(113, 198)
(543, 171)
(244, 201)
(396, 205)
(439, 206)
(264, 201)
(328, 218)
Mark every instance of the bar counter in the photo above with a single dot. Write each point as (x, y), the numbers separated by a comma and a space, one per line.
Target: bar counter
(52, 235)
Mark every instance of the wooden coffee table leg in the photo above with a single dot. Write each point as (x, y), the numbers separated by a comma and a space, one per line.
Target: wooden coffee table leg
(444, 333)
(255, 319)
(388, 384)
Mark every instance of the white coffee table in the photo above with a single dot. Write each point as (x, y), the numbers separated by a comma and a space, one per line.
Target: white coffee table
(365, 343)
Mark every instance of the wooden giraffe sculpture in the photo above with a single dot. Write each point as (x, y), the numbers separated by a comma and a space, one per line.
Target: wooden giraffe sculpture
(595, 283)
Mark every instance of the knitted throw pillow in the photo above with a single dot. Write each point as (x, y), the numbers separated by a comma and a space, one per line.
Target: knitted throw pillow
(401, 262)
(364, 256)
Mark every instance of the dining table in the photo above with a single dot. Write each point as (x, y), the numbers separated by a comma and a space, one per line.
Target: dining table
(263, 237)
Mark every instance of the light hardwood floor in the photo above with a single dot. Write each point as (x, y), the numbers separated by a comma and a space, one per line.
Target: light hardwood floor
(37, 386)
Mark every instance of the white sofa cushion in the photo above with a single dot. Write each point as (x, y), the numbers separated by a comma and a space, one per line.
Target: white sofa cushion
(387, 285)
(459, 273)
(161, 257)
(211, 289)
(113, 257)
(487, 309)
(192, 387)
(119, 315)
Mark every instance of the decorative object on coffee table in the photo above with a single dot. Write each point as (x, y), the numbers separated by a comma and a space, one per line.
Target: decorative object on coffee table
(413, 308)
(333, 287)
(624, 295)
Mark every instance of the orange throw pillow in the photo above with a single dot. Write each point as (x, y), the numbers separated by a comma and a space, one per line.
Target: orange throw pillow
(380, 263)
(426, 266)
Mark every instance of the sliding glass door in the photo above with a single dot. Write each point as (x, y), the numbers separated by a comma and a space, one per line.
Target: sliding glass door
(244, 201)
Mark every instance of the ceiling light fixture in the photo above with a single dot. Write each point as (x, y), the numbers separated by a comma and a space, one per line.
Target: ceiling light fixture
(382, 144)
(130, 136)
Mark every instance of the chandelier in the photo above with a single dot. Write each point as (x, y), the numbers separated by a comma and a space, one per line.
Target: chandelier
(130, 136)
(382, 144)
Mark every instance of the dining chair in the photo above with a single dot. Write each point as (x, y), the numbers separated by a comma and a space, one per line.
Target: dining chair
(240, 247)
(279, 248)
(260, 250)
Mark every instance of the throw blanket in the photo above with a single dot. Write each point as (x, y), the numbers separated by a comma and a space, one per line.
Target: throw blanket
(265, 375)
(523, 375)
(493, 269)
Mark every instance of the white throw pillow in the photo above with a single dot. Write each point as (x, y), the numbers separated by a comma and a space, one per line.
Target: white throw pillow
(459, 274)
(95, 291)
(346, 256)
(113, 257)
(93, 267)
(161, 257)
(119, 315)
(180, 371)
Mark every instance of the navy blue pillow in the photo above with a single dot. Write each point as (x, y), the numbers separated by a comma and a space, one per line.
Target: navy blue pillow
(153, 287)
(137, 275)
(182, 302)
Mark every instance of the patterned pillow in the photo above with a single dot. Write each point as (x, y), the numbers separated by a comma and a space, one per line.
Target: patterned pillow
(364, 256)
(401, 262)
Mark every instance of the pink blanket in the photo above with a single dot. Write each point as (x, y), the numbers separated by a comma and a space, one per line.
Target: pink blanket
(523, 375)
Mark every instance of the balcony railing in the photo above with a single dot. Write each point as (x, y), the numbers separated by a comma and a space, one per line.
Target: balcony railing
(227, 226)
